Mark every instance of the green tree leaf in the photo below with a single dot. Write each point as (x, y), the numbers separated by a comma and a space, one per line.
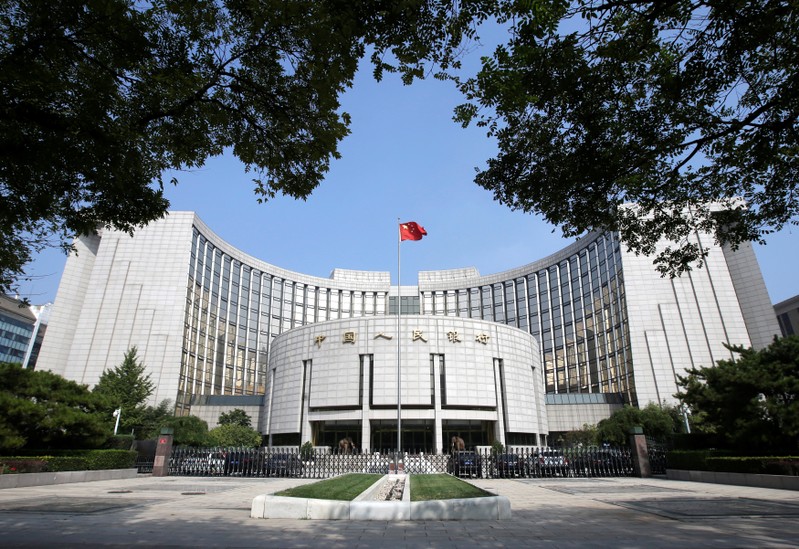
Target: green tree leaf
(188, 430)
(234, 435)
(657, 421)
(751, 400)
(41, 410)
(127, 387)
(101, 98)
(237, 416)
(676, 107)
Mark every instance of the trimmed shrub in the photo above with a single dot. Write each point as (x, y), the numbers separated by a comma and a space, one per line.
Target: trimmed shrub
(767, 465)
(697, 441)
(723, 462)
(306, 451)
(71, 460)
(22, 465)
(119, 442)
(694, 460)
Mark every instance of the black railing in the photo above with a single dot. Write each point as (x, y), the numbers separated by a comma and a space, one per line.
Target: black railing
(144, 464)
(518, 462)
(657, 456)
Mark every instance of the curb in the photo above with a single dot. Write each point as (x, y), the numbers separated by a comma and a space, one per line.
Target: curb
(24, 480)
(779, 482)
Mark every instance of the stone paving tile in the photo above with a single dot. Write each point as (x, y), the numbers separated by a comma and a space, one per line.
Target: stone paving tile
(566, 513)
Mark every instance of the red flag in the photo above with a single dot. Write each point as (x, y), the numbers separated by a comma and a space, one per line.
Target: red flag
(411, 231)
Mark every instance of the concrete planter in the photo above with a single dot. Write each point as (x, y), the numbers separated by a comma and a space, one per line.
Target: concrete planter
(363, 508)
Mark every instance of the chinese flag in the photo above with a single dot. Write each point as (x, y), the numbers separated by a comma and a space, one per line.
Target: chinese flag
(411, 231)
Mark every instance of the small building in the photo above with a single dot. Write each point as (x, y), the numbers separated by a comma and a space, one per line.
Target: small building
(22, 329)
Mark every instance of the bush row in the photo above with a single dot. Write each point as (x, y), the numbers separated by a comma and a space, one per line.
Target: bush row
(721, 461)
(69, 460)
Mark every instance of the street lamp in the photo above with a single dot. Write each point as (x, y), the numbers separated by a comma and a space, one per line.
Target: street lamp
(117, 414)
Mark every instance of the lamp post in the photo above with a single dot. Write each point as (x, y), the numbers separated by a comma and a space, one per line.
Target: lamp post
(117, 414)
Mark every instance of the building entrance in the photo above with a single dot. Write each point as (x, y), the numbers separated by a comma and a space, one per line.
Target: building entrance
(417, 436)
(473, 433)
(329, 433)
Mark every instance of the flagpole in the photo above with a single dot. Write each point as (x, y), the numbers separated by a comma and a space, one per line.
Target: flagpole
(406, 231)
(399, 344)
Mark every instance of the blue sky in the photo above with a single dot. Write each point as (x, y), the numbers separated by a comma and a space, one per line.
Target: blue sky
(405, 159)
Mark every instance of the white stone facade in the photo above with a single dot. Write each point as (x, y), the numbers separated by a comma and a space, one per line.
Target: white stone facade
(452, 371)
(684, 322)
(209, 320)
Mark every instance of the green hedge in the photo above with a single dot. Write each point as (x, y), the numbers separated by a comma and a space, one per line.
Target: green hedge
(722, 461)
(119, 442)
(697, 441)
(16, 464)
(761, 465)
(70, 460)
(693, 460)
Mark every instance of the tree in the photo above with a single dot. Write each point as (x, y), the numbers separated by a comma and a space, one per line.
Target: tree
(751, 400)
(234, 435)
(99, 99)
(674, 106)
(237, 416)
(127, 386)
(188, 430)
(42, 410)
(657, 421)
(586, 435)
(670, 105)
(151, 419)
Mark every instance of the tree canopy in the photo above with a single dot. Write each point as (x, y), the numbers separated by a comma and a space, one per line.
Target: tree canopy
(151, 418)
(99, 99)
(127, 386)
(672, 105)
(236, 416)
(234, 435)
(42, 410)
(686, 108)
(657, 421)
(188, 430)
(586, 435)
(752, 400)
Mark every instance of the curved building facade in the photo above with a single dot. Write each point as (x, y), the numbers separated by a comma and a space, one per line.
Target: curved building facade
(572, 302)
(214, 324)
(475, 379)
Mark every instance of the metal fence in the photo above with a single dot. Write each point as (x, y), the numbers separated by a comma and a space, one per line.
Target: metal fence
(516, 462)
(144, 464)
(657, 456)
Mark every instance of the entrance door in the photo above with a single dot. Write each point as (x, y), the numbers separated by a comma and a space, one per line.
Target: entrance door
(329, 433)
(473, 433)
(417, 436)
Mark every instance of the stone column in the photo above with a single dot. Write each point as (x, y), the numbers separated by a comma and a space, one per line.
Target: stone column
(163, 452)
(640, 453)
(366, 418)
(439, 444)
(499, 424)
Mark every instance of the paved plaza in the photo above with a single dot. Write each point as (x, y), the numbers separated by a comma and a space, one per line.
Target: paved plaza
(566, 513)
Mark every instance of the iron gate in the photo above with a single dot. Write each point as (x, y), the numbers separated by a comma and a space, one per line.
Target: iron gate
(527, 462)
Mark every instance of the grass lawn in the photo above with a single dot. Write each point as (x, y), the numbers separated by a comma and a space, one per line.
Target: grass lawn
(343, 488)
(427, 487)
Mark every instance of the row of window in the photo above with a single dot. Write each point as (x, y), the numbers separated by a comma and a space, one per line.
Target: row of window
(575, 308)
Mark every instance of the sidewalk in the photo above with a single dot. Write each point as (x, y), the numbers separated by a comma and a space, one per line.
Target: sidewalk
(563, 513)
